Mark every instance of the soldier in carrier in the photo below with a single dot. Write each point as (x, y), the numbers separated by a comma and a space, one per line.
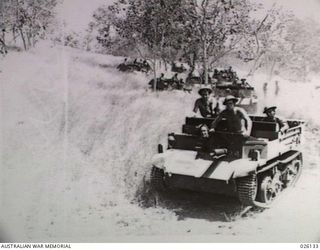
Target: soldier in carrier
(204, 104)
(175, 78)
(238, 127)
(204, 144)
(145, 63)
(271, 117)
(238, 121)
(161, 78)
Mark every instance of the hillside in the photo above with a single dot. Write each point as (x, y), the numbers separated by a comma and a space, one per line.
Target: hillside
(76, 140)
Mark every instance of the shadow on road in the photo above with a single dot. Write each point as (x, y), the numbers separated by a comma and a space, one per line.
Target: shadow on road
(189, 204)
(211, 207)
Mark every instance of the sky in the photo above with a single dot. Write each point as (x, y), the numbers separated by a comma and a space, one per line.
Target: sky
(301, 8)
(77, 13)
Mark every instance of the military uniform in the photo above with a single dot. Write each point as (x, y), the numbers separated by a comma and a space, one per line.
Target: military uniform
(272, 118)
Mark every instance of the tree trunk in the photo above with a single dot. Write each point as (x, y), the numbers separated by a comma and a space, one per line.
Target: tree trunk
(2, 47)
(165, 65)
(272, 69)
(154, 75)
(255, 65)
(23, 39)
(4, 37)
(205, 62)
(29, 39)
(14, 35)
(193, 60)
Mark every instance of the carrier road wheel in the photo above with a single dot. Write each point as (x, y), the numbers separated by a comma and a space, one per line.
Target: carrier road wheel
(294, 172)
(268, 191)
(247, 189)
(157, 179)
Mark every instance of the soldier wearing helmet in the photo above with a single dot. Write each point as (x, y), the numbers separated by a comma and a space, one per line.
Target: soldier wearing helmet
(238, 121)
(271, 117)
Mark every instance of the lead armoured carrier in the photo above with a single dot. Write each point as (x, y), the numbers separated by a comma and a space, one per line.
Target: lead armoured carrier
(255, 169)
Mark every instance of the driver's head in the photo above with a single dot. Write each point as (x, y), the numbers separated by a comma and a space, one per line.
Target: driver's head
(204, 131)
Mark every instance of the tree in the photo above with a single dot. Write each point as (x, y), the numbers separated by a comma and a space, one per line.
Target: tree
(199, 31)
(283, 43)
(149, 24)
(266, 42)
(101, 26)
(27, 19)
(217, 27)
(303, 54)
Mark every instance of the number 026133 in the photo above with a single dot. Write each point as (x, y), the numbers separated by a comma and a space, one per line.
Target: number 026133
(309, 246)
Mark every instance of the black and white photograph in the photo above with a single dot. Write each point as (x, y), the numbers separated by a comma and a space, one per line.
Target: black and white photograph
(160, 121)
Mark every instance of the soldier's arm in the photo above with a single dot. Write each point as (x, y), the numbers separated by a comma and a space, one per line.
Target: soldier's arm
(211, 109)
(283, 124)
(247, 121)
(215, 122)
(196, 106)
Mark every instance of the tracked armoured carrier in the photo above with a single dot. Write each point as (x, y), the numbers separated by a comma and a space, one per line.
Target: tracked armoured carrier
(248, 98)
(131, 67)
(255, 169)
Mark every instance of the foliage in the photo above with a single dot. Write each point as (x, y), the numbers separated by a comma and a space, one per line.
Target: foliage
(303, 50)
(263, 47)
(26, 19)
(216, 28)
(195, 30)
(205, 32)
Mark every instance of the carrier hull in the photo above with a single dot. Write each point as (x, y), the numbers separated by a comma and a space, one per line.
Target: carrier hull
(255, 170)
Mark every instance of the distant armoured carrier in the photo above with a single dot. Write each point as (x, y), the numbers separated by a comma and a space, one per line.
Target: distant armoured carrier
(134, 66)
(226, 82)
(242, 90)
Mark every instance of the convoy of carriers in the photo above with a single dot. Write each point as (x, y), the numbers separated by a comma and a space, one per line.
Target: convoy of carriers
(256, 169)
(223, 82)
